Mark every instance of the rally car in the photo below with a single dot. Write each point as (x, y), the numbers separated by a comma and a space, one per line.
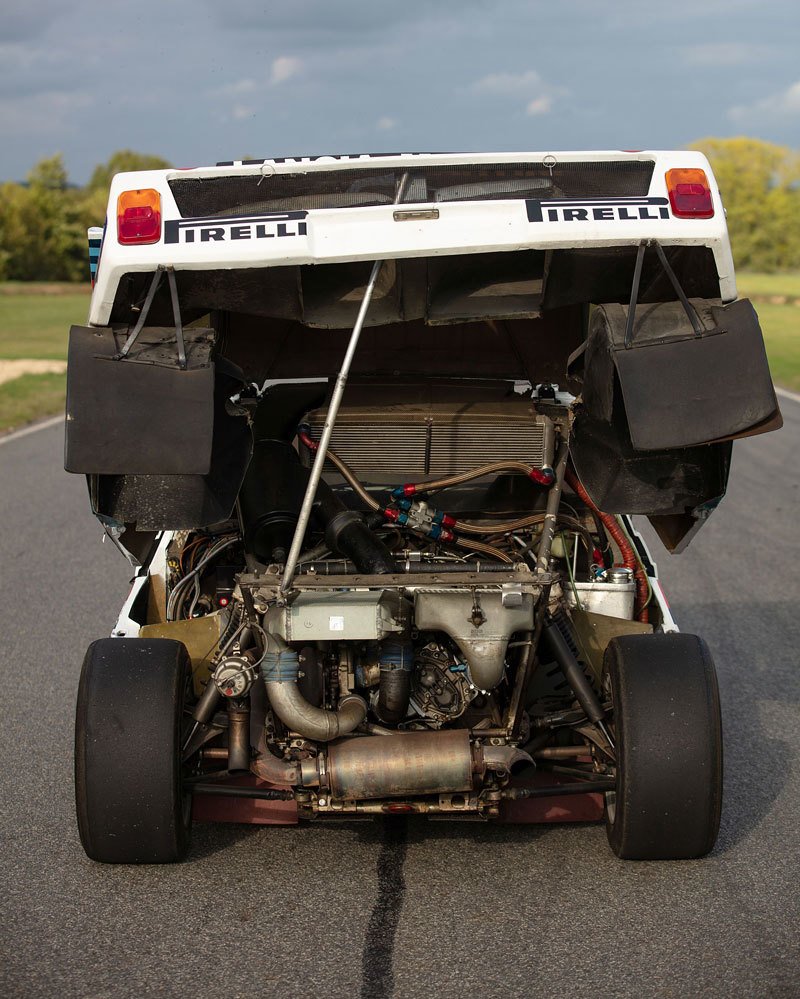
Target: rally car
(372, 430)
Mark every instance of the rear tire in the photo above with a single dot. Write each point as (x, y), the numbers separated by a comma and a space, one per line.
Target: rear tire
(129, 718)
(668, 728)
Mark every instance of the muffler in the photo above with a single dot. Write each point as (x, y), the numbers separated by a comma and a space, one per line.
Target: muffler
(414, 763)
(395, 766)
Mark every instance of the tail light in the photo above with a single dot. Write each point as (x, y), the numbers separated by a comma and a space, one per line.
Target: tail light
(139, 217)
(689, 194)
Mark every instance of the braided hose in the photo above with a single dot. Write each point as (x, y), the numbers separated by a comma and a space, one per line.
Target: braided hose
(629, 557)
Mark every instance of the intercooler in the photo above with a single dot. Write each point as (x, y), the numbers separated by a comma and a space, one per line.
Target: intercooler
(438, 438)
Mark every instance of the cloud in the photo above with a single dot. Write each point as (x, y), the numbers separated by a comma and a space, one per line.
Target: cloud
(46, 114)
(239, 87)
(24, 22)
(283, 69)
(528, 86)
(507, 84)
(385, 124)
(724, 54)
(783, 104)
(244, 91)
(540, 105)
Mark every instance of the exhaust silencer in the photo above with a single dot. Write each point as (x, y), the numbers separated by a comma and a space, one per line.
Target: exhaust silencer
(399, 765)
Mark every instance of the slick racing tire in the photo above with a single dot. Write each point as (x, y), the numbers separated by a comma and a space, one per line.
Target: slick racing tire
(129, 719)
(668, 733)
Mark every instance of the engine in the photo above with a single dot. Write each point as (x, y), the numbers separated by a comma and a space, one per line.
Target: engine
(415, 658)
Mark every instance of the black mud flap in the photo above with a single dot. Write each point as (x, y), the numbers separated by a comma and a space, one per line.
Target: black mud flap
(170, 502)
(154, 432)
(144, 414)
(685, 379)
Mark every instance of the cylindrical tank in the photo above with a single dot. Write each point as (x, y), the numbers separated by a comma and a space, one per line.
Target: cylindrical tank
(398, 765)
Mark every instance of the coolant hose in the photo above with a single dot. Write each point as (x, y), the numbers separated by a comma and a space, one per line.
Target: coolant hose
(629, 557)
(396, 662)
(280, 668)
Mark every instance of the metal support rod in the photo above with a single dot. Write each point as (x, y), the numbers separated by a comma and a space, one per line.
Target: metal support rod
(637, 277)
(580, 787)
(330, 420)
(694, 319)
(238, 791)
(137, 329)
(176, 317)
(562, 752)
(551, 513)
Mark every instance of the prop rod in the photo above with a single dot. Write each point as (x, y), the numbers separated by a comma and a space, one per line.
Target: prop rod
(330, 419)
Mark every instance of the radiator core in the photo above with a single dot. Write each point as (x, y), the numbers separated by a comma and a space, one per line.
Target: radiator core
(437, 439)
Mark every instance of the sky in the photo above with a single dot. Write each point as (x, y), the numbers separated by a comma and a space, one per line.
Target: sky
(198, 81)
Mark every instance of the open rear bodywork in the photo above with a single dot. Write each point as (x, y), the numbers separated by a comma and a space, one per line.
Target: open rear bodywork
(374, 428)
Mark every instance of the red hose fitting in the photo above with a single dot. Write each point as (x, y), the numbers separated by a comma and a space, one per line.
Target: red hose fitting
(307, 439)
(544, 476)
(629, 557)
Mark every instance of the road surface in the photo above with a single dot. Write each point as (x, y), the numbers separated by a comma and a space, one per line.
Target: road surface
(405, 909)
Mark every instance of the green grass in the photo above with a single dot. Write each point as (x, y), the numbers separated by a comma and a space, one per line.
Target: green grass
(780, 325)
(30, 397)
(37, 325)
(757, 285)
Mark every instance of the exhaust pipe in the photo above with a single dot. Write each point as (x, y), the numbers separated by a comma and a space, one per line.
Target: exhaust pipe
(281, 666)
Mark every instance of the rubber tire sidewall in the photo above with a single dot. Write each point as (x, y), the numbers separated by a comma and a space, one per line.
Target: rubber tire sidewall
(668, 729)
(128, 722)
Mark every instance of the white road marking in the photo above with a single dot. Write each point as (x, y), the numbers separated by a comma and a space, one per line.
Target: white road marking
(31, 429)
(786, 394)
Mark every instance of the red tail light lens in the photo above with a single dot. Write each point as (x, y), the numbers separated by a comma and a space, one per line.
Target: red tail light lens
(139, 217)
(689, 194)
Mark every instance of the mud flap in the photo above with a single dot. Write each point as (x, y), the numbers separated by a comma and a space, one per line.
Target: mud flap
(144, 415)
(154, 433)
(169, 502)
(682, 382)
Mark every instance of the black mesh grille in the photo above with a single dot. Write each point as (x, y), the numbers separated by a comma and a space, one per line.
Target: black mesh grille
(232, 196)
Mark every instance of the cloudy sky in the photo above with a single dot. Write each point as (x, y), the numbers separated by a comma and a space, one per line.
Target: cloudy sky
(198, 81)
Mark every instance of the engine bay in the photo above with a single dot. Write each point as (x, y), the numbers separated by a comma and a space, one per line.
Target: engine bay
(445, 625)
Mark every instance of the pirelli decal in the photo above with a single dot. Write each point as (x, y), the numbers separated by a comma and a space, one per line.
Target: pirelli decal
(597, 209)
(275, 225)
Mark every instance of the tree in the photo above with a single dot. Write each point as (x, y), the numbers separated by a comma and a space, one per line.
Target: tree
(121, 162)
(760, 187)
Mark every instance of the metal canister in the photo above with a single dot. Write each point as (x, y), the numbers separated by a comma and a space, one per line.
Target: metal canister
(398, 765)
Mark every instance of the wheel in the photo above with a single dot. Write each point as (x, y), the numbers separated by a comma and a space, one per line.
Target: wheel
(668, 729)
(128, 726)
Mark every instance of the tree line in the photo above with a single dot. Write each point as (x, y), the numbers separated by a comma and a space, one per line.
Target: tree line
(43, 222)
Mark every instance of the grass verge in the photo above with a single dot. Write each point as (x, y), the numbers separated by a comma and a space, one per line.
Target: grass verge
(752, 285)
(30, 397)
(780, 325)
(37, 326)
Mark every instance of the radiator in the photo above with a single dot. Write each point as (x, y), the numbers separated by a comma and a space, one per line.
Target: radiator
(438, 439)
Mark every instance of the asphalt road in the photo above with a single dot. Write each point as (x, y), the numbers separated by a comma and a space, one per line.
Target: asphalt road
(403, 909)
